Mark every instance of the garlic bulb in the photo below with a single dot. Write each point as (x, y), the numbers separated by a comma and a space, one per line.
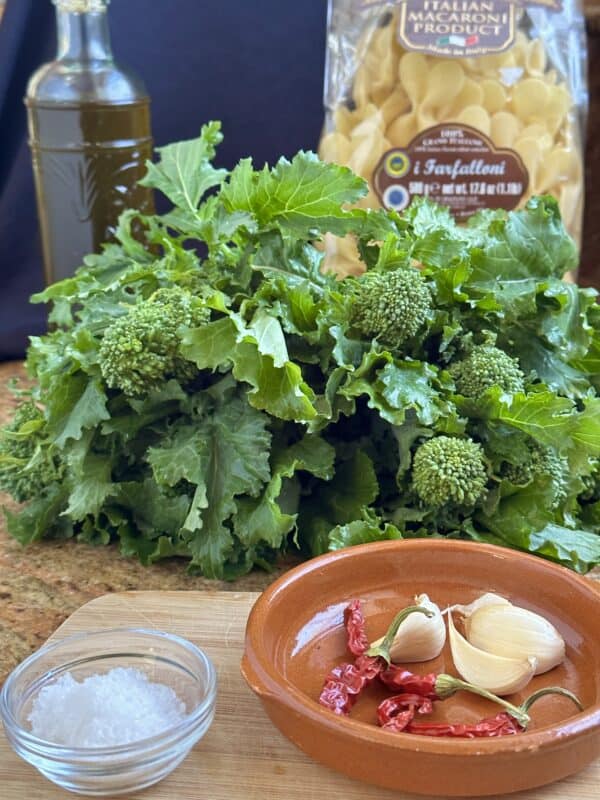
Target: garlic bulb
(487, 599)
(515, 632)
(496, 674)
(419, 638)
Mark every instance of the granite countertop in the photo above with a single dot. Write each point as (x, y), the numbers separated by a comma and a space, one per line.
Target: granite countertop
(42, 584)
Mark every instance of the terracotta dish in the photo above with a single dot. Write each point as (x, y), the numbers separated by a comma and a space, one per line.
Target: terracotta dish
(295, 635)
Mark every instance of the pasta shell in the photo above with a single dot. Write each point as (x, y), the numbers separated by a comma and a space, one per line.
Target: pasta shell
(504, 128)
(413, 76)
(559, 101)
(397, 103)
(360, 89)
(368, 127)
(367, 153)
(446, 80)
(402, 129)
(494, 95)
(471, 94)
(477, 117)
(530, 98)
(531, 154)
(535, 58)
(559, 166)
(570, 201)
(335, 147)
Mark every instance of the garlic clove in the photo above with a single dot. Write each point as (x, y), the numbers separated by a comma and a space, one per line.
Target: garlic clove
(495, 673)
(419, 638)
(516, 632)
(487, 599)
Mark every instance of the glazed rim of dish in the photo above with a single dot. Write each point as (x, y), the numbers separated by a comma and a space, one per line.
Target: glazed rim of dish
(272, 684)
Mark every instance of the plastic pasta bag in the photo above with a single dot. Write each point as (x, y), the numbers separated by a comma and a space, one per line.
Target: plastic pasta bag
(472, 103)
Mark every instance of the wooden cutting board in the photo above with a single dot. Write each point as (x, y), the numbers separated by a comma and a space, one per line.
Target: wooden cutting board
(243, 756)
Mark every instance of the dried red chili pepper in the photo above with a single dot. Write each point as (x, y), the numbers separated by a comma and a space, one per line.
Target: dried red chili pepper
(399, 679)
(354, 622)
(396, 712)
(503, 724)
(345, 682)
(369, 666)
(440, 687)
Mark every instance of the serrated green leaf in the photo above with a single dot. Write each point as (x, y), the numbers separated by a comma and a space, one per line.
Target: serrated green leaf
(225, 454)
(547, 365)
(280, 391)
(297, 195)
(566, 327)
(76, 403)
(41, 517)
(211, 345)
(394, 387)
(344, 499)
(585, 432)
(158, 515)
(525, 244)
(411, 385)
(265, 330)
(264, 520)
(544, 416)
(578, 549)
(295, 262)
(362, 531)
(92, 486)
(184, 172)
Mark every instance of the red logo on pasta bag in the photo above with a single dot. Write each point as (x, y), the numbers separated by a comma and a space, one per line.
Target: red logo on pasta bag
(454, 165)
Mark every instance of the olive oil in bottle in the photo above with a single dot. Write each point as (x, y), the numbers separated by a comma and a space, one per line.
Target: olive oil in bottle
(89, 131)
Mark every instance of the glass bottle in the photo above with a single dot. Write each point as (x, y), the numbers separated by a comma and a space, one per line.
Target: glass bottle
(89, 132)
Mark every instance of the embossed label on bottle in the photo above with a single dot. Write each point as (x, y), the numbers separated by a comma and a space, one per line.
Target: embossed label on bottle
(454, 165)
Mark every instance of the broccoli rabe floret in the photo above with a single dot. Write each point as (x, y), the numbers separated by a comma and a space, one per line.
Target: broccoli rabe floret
(449, 471)
(140, 350)
(541, 462)
(26, 466)
(391, 306)
(484, 367)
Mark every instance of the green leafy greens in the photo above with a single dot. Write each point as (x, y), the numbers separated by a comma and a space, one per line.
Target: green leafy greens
(213, 393)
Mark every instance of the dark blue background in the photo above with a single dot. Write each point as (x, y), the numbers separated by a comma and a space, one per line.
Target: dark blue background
(257, 65)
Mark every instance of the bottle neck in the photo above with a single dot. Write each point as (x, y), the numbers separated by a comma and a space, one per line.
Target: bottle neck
(83, 37)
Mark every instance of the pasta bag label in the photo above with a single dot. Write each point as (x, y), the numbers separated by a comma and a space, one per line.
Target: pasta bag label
(455, 165)
(457, 28)
(487, 113)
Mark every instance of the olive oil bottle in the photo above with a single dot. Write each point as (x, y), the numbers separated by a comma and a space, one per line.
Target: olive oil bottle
(89, 133)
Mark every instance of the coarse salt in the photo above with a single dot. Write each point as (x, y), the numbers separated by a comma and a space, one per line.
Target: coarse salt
(117, 707)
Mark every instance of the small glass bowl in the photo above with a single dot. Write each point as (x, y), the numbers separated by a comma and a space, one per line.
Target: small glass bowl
(118, 769)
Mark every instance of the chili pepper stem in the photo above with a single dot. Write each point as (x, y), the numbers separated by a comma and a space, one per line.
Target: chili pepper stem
(383, 650)
(447, 685)
(551, 690)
